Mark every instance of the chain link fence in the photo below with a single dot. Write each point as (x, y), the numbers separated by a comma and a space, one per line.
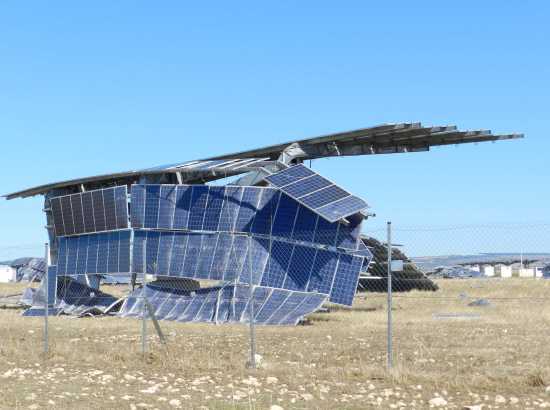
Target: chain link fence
(469, 311)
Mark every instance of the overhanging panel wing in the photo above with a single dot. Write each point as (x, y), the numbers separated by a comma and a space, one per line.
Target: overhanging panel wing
(317, 193)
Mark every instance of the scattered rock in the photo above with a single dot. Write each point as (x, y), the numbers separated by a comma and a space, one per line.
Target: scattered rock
(499, 399)
(275, 407)
(480, 303)
(438, 402)
(474, 407)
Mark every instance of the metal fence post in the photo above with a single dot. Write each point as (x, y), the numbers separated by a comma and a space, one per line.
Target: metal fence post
(252, 363)
(46, 298)
(390, 324)
(144, 311)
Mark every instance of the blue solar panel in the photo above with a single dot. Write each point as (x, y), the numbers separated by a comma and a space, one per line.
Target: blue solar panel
(62, 256)
(290, 304)
(165, 252)
(208, 247)
(138, 251)
(167, 204)
(192, 256)
(300, 267)
(247, 210)
(323, 271)
(109, 208)
(324, 196)
(88, 212)
(82, 254)
(229, 303)
(57, 214)
(78, 216)
(124, 252)
(67, 215)
(91, 263)
(265, 215)
(152, 202)
(347, 277)
(307, 186)
(99, 210)
(179, 248)
(214, 208)
(348, 234)
(316, 193)
(121, 207)
(72, 253)
(290, 175)
(152, 242)
(255, 260)
(199, 200)
(285, 217)
(304, 227)
(222, 253)
(138, 206)
(208, 308)
(230, 209)
(311, 303)
(183, 204)
(95, 253)
(112, 260)
(343, 208)
(236, 259)
(277, 266)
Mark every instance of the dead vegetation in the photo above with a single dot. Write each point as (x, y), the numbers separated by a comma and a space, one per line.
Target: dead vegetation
(499, 356)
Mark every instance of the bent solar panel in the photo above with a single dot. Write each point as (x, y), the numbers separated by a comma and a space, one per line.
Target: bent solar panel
(317, 193)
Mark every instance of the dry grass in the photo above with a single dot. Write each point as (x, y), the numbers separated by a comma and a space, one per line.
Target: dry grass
(337, 362)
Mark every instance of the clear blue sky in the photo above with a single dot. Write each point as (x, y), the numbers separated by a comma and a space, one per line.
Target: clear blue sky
(104, 86)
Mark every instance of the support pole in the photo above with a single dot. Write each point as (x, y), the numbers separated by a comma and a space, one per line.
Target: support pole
(390, 324)
(144, 303)
(46, 298)
(252, 363)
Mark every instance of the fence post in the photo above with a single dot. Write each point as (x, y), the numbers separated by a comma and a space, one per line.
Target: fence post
(46, 298)
(390, 324)
(144, 312)
(252, 363)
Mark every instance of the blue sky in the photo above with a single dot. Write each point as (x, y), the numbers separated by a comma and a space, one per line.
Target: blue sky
(105, 86)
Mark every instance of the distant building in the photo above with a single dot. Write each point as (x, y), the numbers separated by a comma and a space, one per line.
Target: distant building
(7, 274)
(488, 270)
(503, 271)
(546, 272)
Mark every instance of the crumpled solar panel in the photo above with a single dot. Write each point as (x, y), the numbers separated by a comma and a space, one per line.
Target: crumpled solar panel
(74, 298)
(29, 269)
(223, 304)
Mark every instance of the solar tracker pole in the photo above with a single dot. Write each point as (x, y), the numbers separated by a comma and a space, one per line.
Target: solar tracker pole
(390, 324)
(46, 299)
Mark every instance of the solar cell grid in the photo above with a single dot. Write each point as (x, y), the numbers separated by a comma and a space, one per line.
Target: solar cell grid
(57, 214)
(109, 209)
(88, 212)
(289, 175)
(306, 186)
(78, 215)
(324, 196)
(317, 193)
(67, 215)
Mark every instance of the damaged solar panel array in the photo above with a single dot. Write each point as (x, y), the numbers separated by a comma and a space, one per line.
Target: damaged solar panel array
(258, 238)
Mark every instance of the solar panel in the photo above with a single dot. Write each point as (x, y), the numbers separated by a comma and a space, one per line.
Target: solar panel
(107, 252)
(346, 279)
(317, 193)
(225, 304)
(89, 212)
(260, 211)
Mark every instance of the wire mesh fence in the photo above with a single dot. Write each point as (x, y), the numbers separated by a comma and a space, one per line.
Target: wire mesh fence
(470, 306)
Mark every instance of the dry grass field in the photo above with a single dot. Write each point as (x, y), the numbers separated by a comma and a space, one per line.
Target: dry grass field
(448, 355)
